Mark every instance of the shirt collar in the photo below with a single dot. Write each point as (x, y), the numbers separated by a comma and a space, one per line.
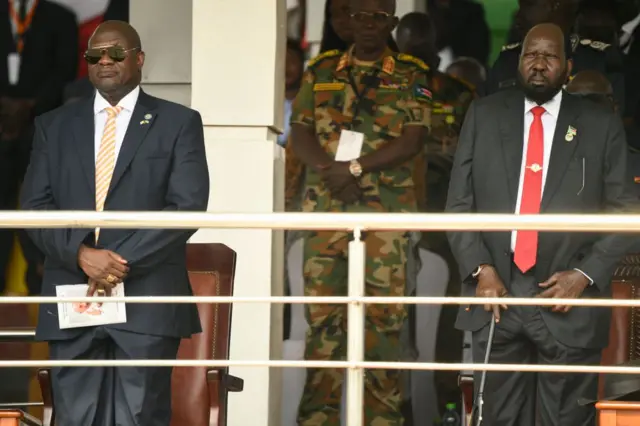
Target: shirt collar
(127, 103)
(552, 107)
(347, 59)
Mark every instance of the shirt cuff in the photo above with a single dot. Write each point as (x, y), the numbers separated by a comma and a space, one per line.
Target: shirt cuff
(583, 273)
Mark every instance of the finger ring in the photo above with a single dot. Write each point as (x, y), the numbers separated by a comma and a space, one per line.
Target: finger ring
(111, 279)
(100, 292)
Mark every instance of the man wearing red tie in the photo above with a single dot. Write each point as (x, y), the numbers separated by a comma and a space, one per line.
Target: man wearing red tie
(537, 149)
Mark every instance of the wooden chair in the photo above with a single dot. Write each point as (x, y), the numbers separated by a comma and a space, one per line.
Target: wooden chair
(618, 413)
(199, 396)
(17, 418)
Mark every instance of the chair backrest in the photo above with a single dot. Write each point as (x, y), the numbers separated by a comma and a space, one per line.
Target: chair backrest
(211, 270)
(624, 334)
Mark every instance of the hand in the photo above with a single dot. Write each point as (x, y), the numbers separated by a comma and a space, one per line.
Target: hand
(336, 175)
(351, 194)
(101, 288)
(103, 266)
(490, 285)
(564, 285)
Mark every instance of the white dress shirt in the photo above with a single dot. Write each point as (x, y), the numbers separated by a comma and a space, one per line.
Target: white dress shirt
(100, 104)
(549, 121)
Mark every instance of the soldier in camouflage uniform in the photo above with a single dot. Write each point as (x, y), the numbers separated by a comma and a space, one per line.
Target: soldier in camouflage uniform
(384, 96)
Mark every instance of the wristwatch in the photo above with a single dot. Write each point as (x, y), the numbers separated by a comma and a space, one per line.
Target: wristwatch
(355, 168)
(479, 269)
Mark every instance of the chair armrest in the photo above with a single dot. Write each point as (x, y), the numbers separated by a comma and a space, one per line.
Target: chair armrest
(229, 382)
(20, 416)
(29, 420)
(44, 379)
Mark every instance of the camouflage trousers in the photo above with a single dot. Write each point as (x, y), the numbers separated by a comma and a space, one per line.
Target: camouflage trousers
(325, 270)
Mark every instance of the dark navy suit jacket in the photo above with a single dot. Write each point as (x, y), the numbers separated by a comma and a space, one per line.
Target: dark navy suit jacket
(161, 167)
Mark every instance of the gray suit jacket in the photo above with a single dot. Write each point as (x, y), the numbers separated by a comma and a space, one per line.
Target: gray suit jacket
(161, 167)
(585, 175)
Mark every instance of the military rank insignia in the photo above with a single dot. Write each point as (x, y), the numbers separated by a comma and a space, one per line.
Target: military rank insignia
(322, 87)
(423, 94)
(388, 65)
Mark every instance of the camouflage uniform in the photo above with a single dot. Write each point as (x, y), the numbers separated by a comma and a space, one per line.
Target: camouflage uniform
(326, 103)
(451, 99)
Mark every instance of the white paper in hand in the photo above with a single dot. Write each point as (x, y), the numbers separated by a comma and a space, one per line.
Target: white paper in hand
(74, 315)
(349, 145)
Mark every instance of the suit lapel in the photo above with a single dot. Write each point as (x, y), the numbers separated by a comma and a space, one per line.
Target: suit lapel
(84, 138)
(142, 119)
(512, 134)
(561, 150)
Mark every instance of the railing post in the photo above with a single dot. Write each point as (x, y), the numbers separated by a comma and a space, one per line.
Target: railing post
(355, 331)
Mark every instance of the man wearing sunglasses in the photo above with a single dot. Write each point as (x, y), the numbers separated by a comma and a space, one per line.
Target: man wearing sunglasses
(358, 122)
(120, 149)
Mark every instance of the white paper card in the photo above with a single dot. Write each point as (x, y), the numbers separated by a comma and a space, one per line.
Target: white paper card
(74, 315)
(13, 68)
(349, 145)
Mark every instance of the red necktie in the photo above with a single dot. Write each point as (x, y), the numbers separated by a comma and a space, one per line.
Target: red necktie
(527, 241)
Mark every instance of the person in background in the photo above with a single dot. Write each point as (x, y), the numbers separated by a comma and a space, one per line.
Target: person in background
(588, 54)
(539, 150)
(594, 86)
(389, 119)
(451, 99)
(461, 30)
(120, 149)
(470, 71)
(38, 49)
(294, 67)
(336, 28)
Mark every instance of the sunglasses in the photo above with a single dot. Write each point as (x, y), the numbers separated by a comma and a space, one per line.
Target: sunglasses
(376, 17)
(115, 53)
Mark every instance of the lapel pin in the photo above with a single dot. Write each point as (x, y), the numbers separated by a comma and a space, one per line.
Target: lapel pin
(571, 133)
(147, 117)
(144, 122)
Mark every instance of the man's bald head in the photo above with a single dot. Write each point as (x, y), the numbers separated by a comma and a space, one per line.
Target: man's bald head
(121, 29)
(115, 59)
(416, 36)
(594, 86)
(590, 82)
(551, 32)
(543, 67)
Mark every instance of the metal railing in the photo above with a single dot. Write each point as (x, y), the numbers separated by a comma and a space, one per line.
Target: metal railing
(356, 300)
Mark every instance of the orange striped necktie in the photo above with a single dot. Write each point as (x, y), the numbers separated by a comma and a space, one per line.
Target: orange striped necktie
(106, 160)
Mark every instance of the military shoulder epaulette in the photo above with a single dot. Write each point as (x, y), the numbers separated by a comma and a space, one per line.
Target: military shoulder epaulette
(412, 59)
(463, 82)
(510, 46)
(597, 45)
(322, 56)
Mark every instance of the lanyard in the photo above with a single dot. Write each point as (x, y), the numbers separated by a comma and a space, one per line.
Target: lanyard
(371, 82)
(21, 25)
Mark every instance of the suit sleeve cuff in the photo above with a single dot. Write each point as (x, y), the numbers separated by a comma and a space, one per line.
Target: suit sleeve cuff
(585, 274)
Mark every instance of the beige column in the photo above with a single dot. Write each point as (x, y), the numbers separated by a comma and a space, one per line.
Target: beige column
(237, 84)
(165, 30)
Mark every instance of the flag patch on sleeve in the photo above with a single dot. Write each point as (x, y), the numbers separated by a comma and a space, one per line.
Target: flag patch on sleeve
(423, 94)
